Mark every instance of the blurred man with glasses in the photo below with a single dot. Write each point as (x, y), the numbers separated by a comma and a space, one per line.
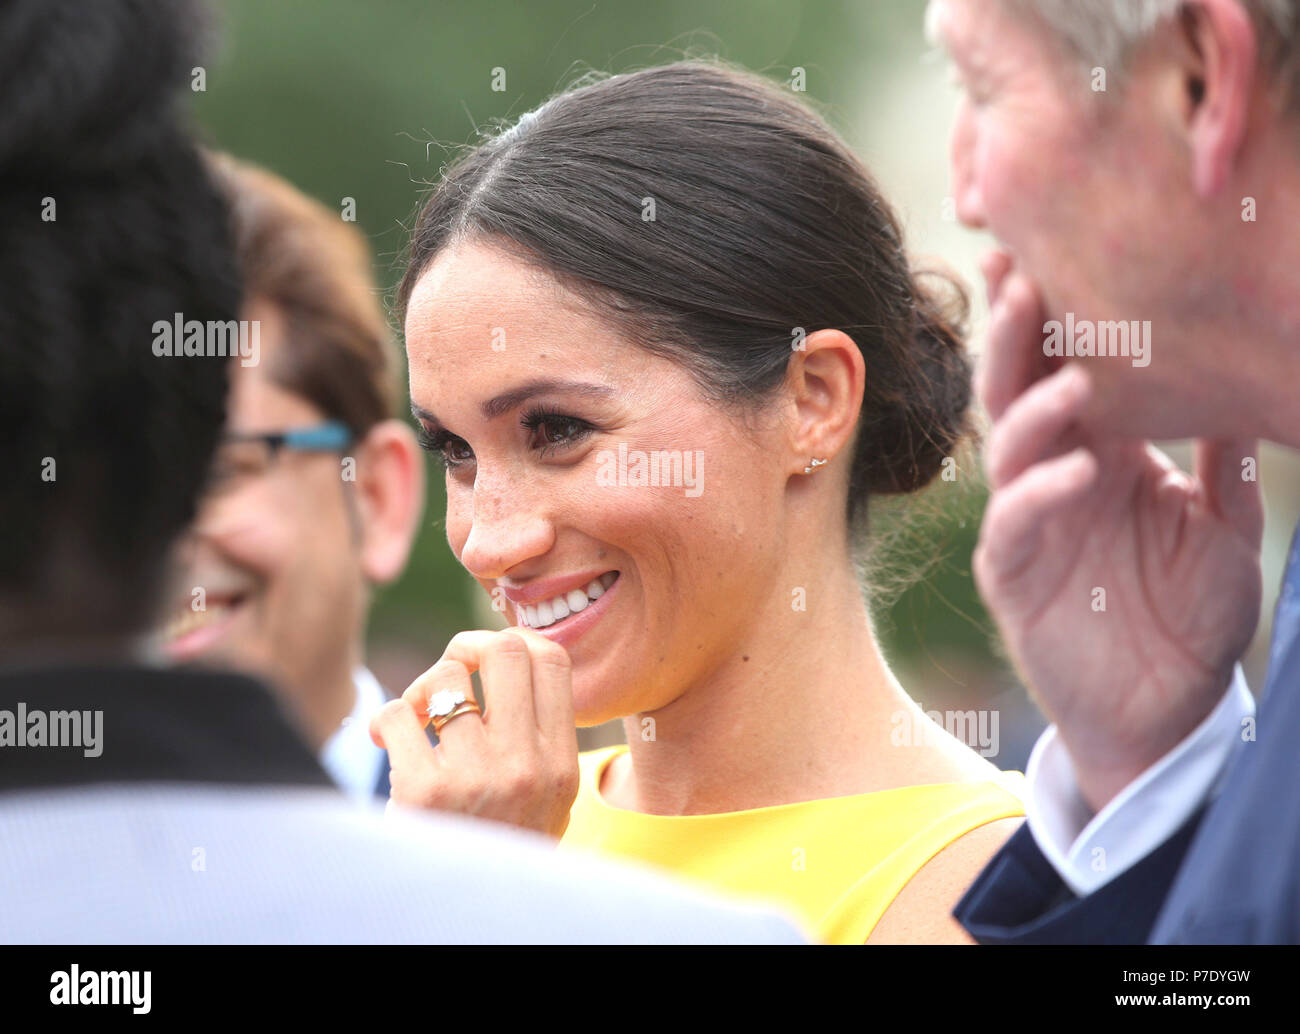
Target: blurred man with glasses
(315, 491)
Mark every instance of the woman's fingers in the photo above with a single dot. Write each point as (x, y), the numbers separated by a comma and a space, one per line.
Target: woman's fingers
(505, 666)
(518, 762)
(400, 731)
(1034, 427)
(506, 674)
(552, 687)
(463, 736)
(527, 686)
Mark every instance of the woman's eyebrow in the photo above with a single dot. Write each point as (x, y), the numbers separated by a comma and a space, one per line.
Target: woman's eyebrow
(506, 401)
(423, 415)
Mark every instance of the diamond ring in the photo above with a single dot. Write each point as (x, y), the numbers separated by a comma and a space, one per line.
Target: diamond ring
(446, 705)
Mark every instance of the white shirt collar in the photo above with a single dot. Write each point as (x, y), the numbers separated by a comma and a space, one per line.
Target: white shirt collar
(349, 756)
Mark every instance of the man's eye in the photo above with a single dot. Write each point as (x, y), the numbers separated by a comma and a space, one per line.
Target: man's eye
(959, 83)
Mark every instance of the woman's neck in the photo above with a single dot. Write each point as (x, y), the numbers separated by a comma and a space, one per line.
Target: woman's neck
(799, 711)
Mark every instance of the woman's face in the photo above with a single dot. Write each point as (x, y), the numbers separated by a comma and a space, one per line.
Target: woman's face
(574, 456)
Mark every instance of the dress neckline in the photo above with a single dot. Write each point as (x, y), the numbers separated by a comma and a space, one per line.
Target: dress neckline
(622, 748)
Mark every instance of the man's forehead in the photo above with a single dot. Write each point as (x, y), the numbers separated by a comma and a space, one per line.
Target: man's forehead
(934, 28)
(954, 25)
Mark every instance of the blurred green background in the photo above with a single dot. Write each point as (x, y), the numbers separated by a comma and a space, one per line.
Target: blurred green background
(357, 99)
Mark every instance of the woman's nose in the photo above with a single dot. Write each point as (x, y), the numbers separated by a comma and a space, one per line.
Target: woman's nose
(505, 530)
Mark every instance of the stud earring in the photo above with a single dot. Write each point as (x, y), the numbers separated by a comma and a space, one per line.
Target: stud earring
(815, 464)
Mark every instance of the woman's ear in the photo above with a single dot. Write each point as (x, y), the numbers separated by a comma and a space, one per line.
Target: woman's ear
(826, 378)
(390, 491)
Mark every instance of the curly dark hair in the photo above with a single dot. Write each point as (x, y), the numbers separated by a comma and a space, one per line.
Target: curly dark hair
(111, 223)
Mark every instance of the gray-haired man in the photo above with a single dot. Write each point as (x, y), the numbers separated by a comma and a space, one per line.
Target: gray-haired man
(1139, 161)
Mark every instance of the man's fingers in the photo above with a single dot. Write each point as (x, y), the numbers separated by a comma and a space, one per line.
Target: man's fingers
(1013, 355)
(995, 265)
(1034, 427)
(1229, 472)
(1016, 515)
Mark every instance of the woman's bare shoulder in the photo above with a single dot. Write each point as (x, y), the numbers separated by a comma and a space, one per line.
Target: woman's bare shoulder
(922, 912)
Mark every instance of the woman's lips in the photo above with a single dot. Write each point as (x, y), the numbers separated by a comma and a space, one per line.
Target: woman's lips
(568, 629)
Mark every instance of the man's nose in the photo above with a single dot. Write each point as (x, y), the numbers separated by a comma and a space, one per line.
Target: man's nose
(965, 182)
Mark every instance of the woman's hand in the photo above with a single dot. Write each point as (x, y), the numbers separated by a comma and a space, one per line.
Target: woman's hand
(1124, 589)
(515, 763)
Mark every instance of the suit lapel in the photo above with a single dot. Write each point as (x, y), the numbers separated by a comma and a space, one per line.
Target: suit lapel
(1242, 863)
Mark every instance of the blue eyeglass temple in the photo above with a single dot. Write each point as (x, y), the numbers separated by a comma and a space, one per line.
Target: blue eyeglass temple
(325, 437)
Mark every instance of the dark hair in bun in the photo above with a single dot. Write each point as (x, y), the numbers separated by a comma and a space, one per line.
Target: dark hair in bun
(110, 224)
(765, 223)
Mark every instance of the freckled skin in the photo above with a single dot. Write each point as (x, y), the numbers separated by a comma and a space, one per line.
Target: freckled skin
(685, 587)
(754, 702)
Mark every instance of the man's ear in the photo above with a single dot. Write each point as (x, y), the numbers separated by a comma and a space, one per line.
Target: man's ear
(1222, 51)
(390, 491)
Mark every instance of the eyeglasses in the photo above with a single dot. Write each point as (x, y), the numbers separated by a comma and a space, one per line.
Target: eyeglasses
(242, 458)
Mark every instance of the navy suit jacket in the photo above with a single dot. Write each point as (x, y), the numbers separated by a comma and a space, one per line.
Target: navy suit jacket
(1231, 875)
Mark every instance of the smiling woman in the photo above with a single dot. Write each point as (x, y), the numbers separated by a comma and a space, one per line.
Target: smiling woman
(687, 262)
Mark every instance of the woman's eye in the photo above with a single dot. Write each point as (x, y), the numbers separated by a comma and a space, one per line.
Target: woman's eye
(555, 430)
(457, 451)
(549, 431)
(452, 451)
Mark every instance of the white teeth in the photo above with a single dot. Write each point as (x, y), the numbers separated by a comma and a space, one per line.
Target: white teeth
(188, 620)
(557, 608)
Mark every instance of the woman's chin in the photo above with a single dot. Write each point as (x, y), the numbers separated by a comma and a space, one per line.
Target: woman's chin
(588, 716)
(592, 707)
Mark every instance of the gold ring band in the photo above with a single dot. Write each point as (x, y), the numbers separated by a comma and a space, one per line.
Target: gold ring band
(460, 709)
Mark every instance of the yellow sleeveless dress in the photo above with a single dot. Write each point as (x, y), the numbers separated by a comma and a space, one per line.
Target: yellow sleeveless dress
(834, 864)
